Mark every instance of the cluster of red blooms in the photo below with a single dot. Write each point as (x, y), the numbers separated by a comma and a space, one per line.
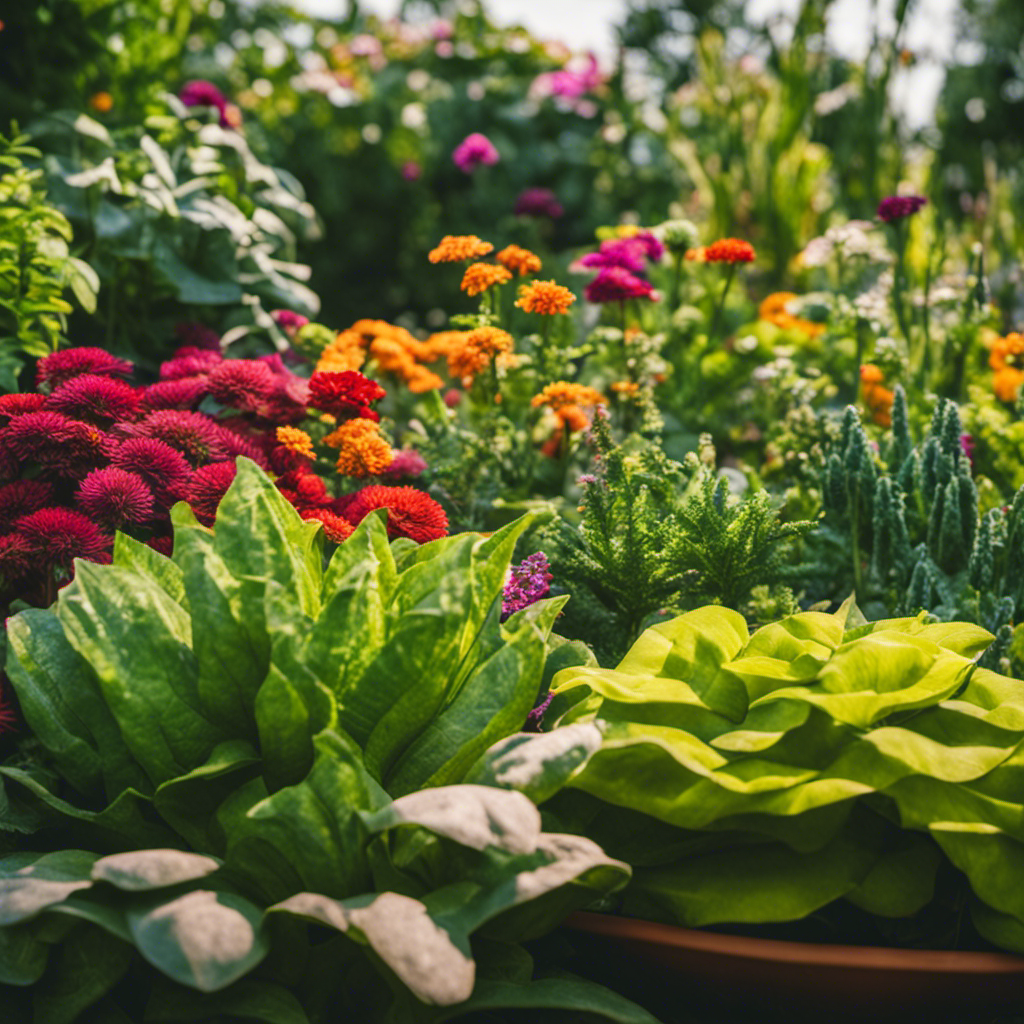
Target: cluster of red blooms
(88, 454)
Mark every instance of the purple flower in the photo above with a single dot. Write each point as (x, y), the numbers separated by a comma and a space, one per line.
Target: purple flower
(614, 284)
(538, 202)
(527, 582)
(897, 207)
(628, 253)
(474, 150)
(201, 93)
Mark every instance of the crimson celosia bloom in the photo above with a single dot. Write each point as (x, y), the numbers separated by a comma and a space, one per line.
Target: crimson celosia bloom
(345, 395)
(189, 363)
(181, 393)
(165, 470)
(729, 250)
(59, 535)
(411, 513)
(614, 284)
(95, 399)
(241, 383)
(115, 497)
(54, 441)
(20, 497)
(207, 487)
(194, 434)
(61, 366)
(897, 207)
(336, 529)
(18, 404)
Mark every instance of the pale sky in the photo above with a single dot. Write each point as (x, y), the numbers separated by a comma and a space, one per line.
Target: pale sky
(587, 25)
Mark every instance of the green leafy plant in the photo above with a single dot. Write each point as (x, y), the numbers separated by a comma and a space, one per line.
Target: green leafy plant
(234, 755)
(36, 265)
(814, 764)
(657, 534)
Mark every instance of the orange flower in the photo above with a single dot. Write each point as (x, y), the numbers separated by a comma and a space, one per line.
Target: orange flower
(481, 276)
(563, 393)
(878, 399)
(545, 297)
(459, 248)
(1006, 384)
(730, 250)
(101, 102)
(298, 442)
(361, 449)
(1007, 361)
(870, 375)
(336, 529)
(519, 260)
(573, 418)
(344, 353)
(478, 348)
(699, 255)
(625, 387)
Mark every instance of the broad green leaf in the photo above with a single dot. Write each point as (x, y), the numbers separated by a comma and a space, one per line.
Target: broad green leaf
(22, 956)
(137, 641)
(258, 1001)
(31, 882)
(902, 881)
(401, 932)
(537, 765)
(132, 554)
(85, 967)
(61, 701)
(142, 870)
(205, 940)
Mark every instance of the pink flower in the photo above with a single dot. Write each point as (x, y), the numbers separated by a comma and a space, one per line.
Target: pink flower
(189, 362)
(538, 202)
(473, 151)
(20, 497)
(613, 284)
(897, 207)
(411, 170)
(162, 467)
(115, 497)
(207, 488)
(201, 93)
(288, 320)
(193, 434)
(59, 535)
(54, 441)
(183, 393)
(95, 399)
(407, 463)
(16, 404)
(241, 383)
(627, 253)
(574, 80)
(61, 366)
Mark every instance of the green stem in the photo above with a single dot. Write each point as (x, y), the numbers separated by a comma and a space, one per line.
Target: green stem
(717, 316)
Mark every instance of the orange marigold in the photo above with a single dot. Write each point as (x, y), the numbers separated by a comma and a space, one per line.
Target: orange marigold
(545, 297)
(459, 248)
(519, 260)
(479, 346)
(564, 393)
(361, 449)
(729, 250)
(344, 353)
(699, 255)
(1006, 383)
(871, 374)
(625, 387)
(1008, 351)
(101, 102)
(298, 442)
(877, 398)
(336, 529)
(481, 276)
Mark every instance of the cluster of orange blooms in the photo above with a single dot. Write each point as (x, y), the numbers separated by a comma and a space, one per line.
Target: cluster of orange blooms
(361, 449)
(1006, 359)
(297, 441)
(568, 401)
(877, 397)
(546, 298)
(773, 311)
(477, 349)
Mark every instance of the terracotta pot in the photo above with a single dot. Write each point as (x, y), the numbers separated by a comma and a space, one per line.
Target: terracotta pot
(868, 983)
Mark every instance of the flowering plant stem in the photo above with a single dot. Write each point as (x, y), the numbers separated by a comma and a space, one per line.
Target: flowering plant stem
(719, 308)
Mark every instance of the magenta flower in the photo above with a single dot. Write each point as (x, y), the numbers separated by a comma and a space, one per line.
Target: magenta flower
(288, 320)
(182, 393)
(411, 170)
(58, 535)
(193, 434)
(61, 366)
(189, 362)
(627, 253)
(894, 208)
(241, 383)
(20, 497)
(538, 202)
(207, 487)
(115, 497)
(95, 399)
(163, 468)
(614, 284)
(407, 463)
(17, 403)
(201, 93)
(570, 82)
(473, 151)
(528, 582)
(54, 441)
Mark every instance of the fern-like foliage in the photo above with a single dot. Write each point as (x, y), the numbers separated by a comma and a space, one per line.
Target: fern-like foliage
(658, 535)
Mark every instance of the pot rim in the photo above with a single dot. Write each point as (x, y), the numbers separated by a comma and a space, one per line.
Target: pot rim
(742, 947)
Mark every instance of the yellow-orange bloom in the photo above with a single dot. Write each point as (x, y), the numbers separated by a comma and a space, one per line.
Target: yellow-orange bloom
(459, 248)
(519, 260)
(773, 310)
(563, 393)
(625, 387)
(545, 297)
(101, 102)
(878, 399)
(481, 276)
(361, 449)
(298, 442)
(478, 347)
(699, 255)
(1007, 362)
(1006, 384)
(344, 353)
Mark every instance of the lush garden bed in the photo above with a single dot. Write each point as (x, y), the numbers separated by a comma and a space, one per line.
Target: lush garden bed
(446, 484)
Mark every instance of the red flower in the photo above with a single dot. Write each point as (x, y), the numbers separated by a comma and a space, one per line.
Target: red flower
(15, 556)
(411, 513)
(17, 404)
(191, 362)
(308, 488)
(8, 716)
(54, 441)
(115, 497)
(345, 395)
(616, 284)
(94, 398)
(59, 535)
(336, 529)
(164, 544)
(163, 468)
(237, 443)
(242, 383)
(61, 366)
(730, 250)
(194, 434)
(20, 497)
(207, 487)
(181, 393)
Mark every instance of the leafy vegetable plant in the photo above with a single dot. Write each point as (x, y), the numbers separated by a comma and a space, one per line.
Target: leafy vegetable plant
(247, 773)
(760, 778)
